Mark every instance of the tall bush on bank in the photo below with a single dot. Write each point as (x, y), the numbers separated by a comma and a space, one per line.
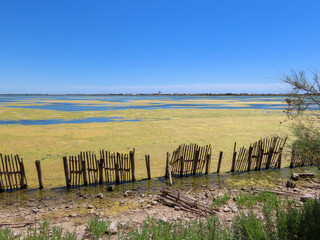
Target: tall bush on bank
(303, 106)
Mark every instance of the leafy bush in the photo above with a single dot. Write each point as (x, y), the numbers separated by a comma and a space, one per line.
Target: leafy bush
(307, 143)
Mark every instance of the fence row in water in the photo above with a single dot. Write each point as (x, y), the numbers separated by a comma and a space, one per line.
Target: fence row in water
(115, 168)
(109, 168)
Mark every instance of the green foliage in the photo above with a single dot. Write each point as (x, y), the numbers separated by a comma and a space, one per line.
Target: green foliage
(209, 229)
(97, 227)
(278, 222)
(46, 233)
(249, 200)
(218, 201)
(307, 143)
(248, 227)
(6, 234)
(303, 106)
(301, 223)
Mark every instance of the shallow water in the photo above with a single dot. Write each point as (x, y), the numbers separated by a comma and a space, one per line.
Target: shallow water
(43, 102)
(61, 121)
(264, 179)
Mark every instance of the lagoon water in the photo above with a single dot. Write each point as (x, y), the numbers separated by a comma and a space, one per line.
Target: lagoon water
(78, 103)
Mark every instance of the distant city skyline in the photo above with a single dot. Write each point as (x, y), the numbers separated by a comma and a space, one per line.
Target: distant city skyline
(98, 47)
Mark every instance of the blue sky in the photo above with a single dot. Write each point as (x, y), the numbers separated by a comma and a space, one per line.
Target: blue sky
(155, 45)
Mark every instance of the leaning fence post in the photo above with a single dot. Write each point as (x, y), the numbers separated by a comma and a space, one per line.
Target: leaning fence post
(234, 157)
(208, 163)
(233, 161)
(101, 162)
(66, 171)
(147, 158)
(219, 163)
(249, 158)
(23, 184)
(269, 157)
(169, 170)
(167, 161)
(195, 162)
(181, 166)
(132, 165)
(38, 166)
(117, 172)
(84, 170)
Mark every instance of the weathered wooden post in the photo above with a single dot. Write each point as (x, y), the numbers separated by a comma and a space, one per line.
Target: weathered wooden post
(219, 162)
(169, 170)
(249, 158)
(181, 166)
(269, 157)
(167, 161)
(233, 161)
(38, 166)
(101, 163)
(66, 171)
(117, 172)
(84, 170)
(195, 161)
(208, 163)
(234, 157)
(23, 181)
(132, 165)
(147, 157)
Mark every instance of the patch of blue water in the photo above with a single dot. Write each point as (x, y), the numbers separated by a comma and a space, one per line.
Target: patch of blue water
(61, 121)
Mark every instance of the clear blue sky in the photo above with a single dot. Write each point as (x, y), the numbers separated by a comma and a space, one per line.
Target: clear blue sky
(111, 46)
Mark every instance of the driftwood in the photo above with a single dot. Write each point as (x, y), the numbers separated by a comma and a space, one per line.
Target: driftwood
(278, 192)
(296, 176)
(174, 198)
(16, 225)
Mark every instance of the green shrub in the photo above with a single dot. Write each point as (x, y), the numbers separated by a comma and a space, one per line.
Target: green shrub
(218, 201)
(6, 234)
(44, 233)
(248, 227)
(97, 227)
(300, 223)
(307, 143)
(209, 229)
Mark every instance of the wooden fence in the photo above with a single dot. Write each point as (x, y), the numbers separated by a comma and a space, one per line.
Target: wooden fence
(263, 154)
(298, 161)
(87, 169)
(188, 160)
(12, 174)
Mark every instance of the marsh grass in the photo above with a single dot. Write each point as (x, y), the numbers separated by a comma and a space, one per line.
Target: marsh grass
(210, 229)
(97, 228)
(218, 201)
(269, 200)
(45, 232)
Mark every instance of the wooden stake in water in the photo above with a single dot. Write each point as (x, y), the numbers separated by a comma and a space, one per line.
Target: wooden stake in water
(39, 171)
(66, 171)
(219, 162)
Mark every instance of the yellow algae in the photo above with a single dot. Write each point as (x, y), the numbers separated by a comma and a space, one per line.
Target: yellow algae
(158, 132)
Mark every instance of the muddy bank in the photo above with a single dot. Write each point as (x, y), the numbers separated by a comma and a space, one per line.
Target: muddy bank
(130, 204)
